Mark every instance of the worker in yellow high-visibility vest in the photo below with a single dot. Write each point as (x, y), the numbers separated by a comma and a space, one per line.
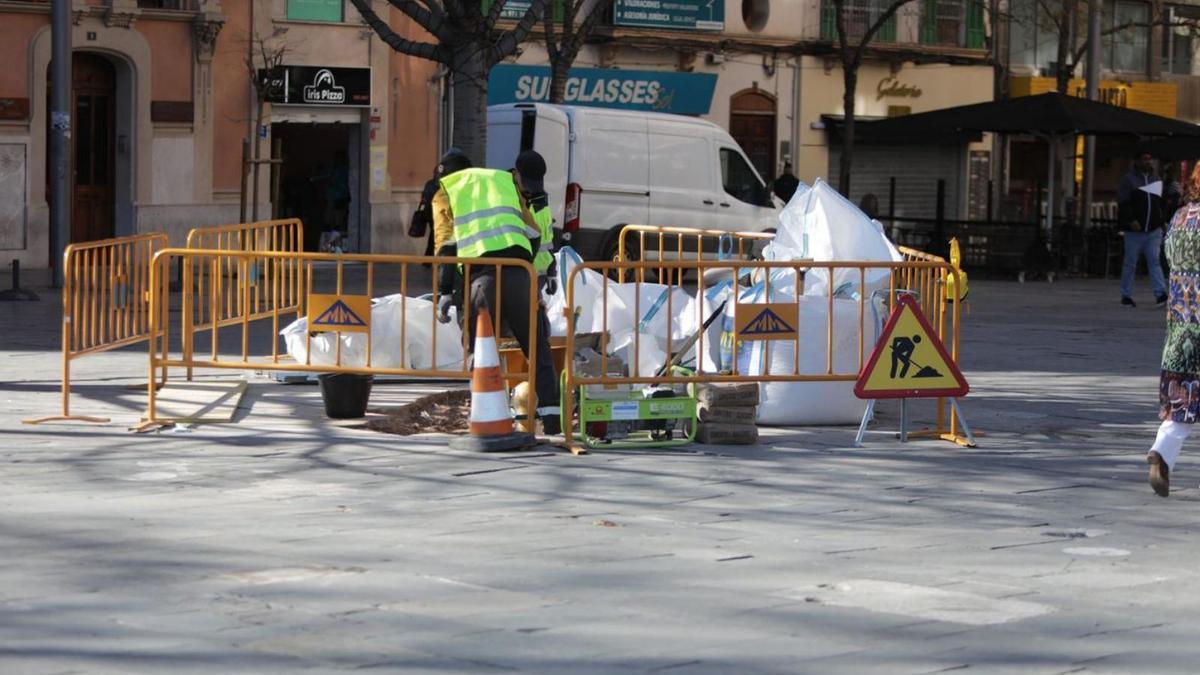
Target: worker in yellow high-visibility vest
(482, 213)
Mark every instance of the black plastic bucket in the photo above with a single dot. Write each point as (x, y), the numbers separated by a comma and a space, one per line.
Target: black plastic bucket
(345, 394)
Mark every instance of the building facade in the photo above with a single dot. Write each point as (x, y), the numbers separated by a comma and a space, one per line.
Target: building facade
(769, 73)
(1149, 62)
(163, 101)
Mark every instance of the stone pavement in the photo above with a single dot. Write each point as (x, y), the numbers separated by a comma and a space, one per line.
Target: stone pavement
(284, 543)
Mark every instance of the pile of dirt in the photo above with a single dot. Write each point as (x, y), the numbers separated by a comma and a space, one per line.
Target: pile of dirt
(447, 413)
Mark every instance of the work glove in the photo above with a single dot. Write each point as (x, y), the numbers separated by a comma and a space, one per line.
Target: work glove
(548, 283)
(444, 303)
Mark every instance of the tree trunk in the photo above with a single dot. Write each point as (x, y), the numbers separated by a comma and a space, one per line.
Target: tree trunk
(558, 77)
(1063, 71)
(469, 86)
(850, 80)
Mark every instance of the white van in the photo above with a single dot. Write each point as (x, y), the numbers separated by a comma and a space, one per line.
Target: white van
(610, 168)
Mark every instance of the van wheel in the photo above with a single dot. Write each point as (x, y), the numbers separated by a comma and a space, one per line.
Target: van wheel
(609, 253)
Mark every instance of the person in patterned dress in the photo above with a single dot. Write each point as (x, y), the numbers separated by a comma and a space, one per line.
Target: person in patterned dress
(1179, 384)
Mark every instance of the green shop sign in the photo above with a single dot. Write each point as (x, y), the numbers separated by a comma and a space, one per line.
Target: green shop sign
(672, 14)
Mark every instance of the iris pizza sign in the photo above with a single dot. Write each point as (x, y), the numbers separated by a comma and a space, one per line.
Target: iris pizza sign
(318, 85)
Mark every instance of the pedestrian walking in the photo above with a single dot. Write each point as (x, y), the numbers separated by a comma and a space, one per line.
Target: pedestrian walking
(786, 183)
(1179, 383)
(483, 213)
(1141, 218)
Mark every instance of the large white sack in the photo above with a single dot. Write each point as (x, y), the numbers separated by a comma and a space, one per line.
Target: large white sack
(797, 403)
(822, 225)
(589, 297)
(385, 339)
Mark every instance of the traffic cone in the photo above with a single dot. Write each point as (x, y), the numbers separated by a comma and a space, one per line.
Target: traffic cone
(491, 427)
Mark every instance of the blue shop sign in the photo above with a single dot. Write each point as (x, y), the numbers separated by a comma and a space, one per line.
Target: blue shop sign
(658, 91)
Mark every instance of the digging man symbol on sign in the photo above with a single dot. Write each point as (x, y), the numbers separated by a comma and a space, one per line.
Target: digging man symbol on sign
(902, 351)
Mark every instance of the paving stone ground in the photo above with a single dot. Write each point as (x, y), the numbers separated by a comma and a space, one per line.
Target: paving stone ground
(284, 543)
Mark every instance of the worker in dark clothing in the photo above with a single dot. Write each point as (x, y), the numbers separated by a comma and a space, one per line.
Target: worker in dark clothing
(482, 213)
(1141, 219)
(786, 184)
(422, 218)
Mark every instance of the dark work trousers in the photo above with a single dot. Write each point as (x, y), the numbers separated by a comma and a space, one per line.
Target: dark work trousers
(514, 304)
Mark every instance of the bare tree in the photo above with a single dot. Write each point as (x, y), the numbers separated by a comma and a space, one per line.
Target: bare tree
(563, 44)
(264, 59)
(1067, 21)
(468, 43)
(852, 46)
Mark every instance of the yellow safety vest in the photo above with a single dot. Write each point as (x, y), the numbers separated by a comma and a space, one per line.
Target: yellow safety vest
(545, 252)
(487, 212)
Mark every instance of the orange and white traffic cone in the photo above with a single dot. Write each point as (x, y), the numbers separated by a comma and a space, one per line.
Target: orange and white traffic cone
(491, 427)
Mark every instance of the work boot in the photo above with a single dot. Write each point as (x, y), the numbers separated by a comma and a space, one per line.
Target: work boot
(1160, 474)
(552, 425)
(1128, 301)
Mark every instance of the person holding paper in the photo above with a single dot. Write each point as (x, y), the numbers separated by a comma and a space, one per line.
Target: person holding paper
(1140, 217)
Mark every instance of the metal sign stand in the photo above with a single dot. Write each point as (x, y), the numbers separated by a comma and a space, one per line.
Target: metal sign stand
(869, 414)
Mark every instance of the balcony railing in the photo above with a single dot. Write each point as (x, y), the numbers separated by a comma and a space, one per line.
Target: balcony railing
(860, 15)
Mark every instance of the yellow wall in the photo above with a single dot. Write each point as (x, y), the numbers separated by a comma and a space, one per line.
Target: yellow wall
(1159, 98)
(919, 87)
(1156, 97)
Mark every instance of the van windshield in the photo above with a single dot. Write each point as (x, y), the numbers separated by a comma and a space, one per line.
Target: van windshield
(739, 180)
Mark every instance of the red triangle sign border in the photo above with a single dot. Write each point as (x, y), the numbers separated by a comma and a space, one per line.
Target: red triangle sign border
(869, 367)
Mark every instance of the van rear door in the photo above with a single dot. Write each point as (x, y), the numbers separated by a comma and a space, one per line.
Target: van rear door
(681, 177)
(512, 129)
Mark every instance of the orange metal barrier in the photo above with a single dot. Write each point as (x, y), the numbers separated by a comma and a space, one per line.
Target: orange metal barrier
(682, 243)
(223, 285)
(106, 293)
(318, 274)
(900, 276)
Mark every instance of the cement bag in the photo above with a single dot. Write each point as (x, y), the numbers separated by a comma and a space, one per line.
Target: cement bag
(797, 403)
(385, 338)
(589, 297)
(823, 225)
(661, 311)
(324, 346)
(419, 317)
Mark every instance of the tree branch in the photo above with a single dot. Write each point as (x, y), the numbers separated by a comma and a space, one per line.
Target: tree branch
(589, 22)
(423, 50)
(508, 42)
(494, 12)
(876, 27)
(552, 50)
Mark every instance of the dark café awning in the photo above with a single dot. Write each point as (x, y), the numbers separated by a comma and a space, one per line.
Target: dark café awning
(1050, 114)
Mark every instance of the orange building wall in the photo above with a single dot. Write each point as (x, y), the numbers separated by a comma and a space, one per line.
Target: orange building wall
(231, 96)
(413, 111)
(170, 59)
(18, 32)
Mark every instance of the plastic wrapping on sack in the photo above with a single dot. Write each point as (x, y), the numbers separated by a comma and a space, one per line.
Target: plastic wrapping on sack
(419, 317)
(797, 403)
(821, 225)
(589, 297)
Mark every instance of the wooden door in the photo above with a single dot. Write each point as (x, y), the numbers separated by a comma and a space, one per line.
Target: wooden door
(93, 147)
(752, 125)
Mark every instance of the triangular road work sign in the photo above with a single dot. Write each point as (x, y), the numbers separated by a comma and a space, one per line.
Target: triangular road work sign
(339, 312)
(910, 360)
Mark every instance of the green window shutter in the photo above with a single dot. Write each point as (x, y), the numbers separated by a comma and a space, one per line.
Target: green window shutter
(828, 20)
(929, 22)
(887, 32)
(976, 33)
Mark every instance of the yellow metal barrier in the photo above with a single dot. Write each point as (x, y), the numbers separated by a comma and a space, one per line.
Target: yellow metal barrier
(223, 285)
(315, 285)
(924, 273)
(106, 302)
(685, 243)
